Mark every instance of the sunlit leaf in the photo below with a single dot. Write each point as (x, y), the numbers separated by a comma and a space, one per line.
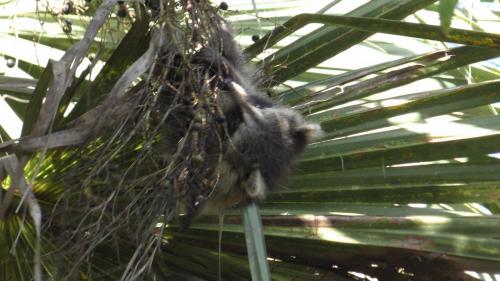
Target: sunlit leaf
(402, 184)
(446, 9)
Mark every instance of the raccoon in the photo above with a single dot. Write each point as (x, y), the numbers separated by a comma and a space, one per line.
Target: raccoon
(261, 138)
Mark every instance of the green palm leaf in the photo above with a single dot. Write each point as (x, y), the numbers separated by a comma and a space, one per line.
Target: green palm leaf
(403, 185)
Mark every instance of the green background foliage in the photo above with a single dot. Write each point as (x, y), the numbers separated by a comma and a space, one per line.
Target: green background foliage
(404, 184)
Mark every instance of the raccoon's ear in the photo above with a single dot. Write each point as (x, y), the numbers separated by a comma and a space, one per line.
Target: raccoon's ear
(304, 134)
(312, 131)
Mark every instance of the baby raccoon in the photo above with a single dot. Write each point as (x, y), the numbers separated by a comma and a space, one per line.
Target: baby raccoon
(244, 147)
(266, 138)
(260, 152)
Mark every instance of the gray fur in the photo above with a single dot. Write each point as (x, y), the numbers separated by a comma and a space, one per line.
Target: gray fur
(269, 137)
(260, 153)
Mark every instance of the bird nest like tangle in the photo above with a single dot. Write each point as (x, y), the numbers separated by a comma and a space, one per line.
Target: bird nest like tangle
(197, 127)
(153, 153)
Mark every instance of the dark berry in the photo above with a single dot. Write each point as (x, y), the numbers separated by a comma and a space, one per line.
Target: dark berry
(122, 11)
(187, 101)
(197, 126)
(67, 8)
(120, 2)
(220, 119)
(91, 57)
(223, 6)
(154, 5)
(11, 62)
(67, 28)
(68, 21)
(170, 179)
(255, 37)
